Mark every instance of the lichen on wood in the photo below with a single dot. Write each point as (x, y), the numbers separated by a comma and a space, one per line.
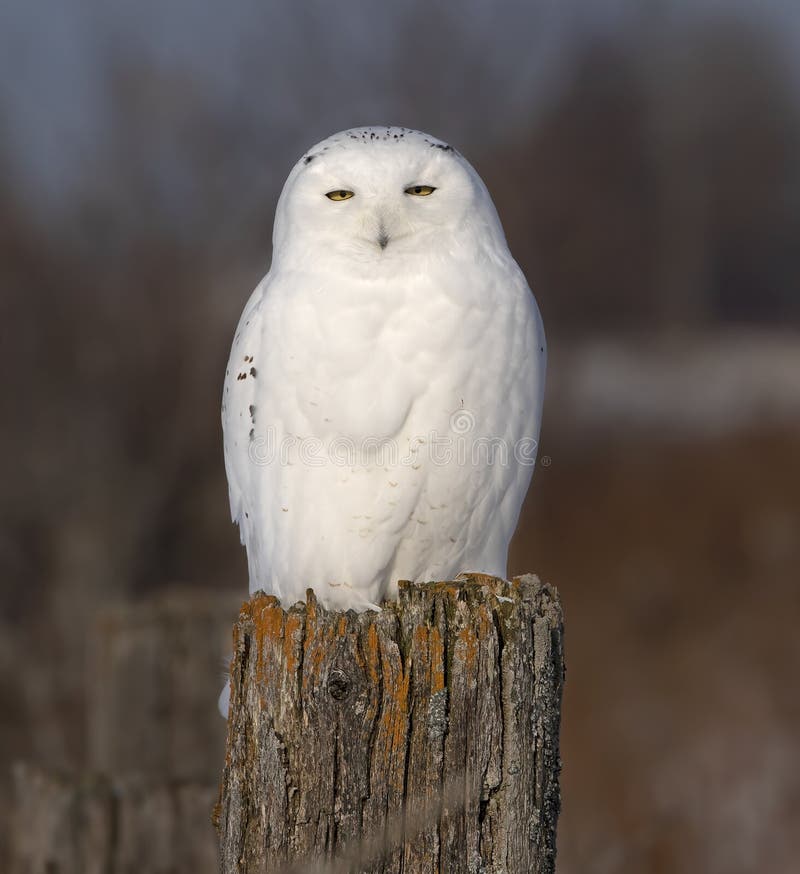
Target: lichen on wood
(421, 738)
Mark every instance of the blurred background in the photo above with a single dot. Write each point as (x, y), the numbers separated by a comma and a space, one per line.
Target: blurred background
(645, 161)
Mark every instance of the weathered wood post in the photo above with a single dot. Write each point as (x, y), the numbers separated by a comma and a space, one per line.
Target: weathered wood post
(142, 804)
(423, 738)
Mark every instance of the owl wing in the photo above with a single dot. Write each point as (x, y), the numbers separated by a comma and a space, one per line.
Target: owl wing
(238, 408)
(490, 390)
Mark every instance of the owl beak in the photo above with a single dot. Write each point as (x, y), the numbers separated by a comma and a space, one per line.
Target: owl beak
(383, 238)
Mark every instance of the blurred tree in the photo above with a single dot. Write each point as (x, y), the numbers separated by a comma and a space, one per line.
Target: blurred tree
(662, 188)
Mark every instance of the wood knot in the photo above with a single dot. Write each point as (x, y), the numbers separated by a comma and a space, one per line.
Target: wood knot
(339, 685)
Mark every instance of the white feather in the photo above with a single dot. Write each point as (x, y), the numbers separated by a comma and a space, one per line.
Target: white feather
(355, 367)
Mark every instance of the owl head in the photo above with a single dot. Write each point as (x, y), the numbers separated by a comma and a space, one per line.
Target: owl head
(374, 196)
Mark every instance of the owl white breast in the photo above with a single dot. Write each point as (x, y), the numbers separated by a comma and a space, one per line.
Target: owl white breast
(383, 396)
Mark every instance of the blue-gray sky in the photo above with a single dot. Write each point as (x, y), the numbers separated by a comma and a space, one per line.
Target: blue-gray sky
(293, 73)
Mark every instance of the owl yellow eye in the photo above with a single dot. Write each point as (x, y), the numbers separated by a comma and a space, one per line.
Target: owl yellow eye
(340, 194)
(420, 190)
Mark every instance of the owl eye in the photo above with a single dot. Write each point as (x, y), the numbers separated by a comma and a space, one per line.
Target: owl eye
(340, 194)
(420, 190)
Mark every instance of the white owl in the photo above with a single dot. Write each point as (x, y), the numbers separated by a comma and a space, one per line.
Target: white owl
(383, 396)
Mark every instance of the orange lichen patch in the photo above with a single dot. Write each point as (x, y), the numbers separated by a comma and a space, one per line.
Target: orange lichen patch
(484, 622)
(400, 697)
(450, 589)
(393, 725)
(311, 608)
(311, 627)
(260, 600)
(312, 663)
(315, 646)
(393, 677)
(486, 580)
(467, 647)
(436, 655)
(246, 611)
(420, 651)
(237, 636)
(373, 655)
(268, 619)
(292, 627)
(428, 650)
(342, 626)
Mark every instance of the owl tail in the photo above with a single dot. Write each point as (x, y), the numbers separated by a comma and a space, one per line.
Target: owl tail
(224, 700)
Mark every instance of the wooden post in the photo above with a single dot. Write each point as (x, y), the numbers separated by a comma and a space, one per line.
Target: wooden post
(155, 671)
(95, 824)
(155, 741)
(423, 738)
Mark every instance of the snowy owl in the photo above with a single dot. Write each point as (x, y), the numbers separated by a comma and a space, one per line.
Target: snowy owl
(382, 401)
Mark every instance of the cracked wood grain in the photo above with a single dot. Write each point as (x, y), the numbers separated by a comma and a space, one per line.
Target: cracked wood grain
(423, 738)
